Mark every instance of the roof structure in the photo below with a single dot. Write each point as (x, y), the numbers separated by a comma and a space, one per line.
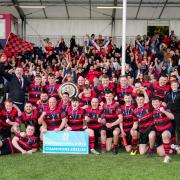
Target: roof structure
(87, 9)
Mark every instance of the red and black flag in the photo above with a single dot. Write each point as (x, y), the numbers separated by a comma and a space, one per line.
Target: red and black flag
(16, 45)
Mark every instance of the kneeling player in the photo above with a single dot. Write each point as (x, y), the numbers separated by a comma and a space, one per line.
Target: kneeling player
(164, 129)
(111, 118)
(143, 114)
(76, 122)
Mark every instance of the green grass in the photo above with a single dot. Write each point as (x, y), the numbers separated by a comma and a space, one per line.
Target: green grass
(88, 167)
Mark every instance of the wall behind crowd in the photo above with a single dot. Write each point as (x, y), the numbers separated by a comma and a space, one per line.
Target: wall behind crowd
(38, 29)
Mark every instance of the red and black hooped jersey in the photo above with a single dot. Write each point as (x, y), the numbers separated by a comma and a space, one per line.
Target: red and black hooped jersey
(110, 112)
(63, 107)
(94, 115)
(42, 107)
(34, 93)
(161, 121)
(75, 118)
(27, 142)
(31, 119)
(144, 117)
(122, 91)
(159, 91)
(85, 100)
(52, 91)
(128, 120)
(101, 91)
(12, 116)
(53, 119)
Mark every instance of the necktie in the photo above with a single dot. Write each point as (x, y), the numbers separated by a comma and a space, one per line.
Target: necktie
(20, 81)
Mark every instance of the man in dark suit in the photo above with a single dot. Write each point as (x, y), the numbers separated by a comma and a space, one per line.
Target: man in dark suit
(16, 85)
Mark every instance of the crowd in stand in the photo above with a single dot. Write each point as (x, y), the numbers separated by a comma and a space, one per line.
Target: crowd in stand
(140, 109)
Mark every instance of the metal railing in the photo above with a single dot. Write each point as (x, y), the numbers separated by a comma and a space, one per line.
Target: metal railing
(79, 39)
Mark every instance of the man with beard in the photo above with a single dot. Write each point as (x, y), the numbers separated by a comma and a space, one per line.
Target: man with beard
(42, 104)
(122, 89)
(30, 117)
(104, 87)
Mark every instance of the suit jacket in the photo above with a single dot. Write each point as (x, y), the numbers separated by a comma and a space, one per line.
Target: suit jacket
(15, 90)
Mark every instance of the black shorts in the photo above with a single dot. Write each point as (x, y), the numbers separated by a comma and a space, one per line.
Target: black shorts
(109, 132)
(6, 132)
(128, 138)
(144, 137)
(159, 141)
(6, 147)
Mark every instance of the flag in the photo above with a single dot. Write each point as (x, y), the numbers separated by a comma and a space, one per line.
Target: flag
(15, 45)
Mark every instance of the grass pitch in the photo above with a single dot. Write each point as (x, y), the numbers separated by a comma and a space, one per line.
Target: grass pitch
(88, 167)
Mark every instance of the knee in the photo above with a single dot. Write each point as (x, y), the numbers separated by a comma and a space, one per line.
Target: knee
(115, 133)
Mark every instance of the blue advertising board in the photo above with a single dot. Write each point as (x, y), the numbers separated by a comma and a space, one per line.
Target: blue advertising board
(66, 142)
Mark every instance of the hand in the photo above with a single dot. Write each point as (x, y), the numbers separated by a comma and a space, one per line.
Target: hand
(22, 134)
(24, 152)
(162, 109)
(8, 121)
(69, 128)
(29, 152)
(108, 125)
(44, 131)
(56, 129)
(123, 134)
(85, 107)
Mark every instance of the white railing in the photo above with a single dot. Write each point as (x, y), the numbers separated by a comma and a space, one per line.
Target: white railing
(79, 39)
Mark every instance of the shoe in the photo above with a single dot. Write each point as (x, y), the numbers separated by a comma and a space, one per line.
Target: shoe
(178, 149)
(133, 152)
(115, 150)
(103, 151)
(93, 151)
(150, 152)
(167, 159)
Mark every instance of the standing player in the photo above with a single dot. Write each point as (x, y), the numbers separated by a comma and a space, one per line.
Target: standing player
(106, 86)
(76, 122)
(173, 103)
(93, 118)
(122, 89)
(52, 87)
(35, 90)
(110, 131)
(163, 125)
(126, 125)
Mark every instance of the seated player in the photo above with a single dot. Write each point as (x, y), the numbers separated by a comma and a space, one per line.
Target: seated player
(164, 129)
(143, 120)
(110, 118)
(126, 125)
(76, 122)
(23, 142)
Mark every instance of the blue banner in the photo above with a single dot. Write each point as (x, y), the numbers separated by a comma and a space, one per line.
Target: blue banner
(66, 142)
